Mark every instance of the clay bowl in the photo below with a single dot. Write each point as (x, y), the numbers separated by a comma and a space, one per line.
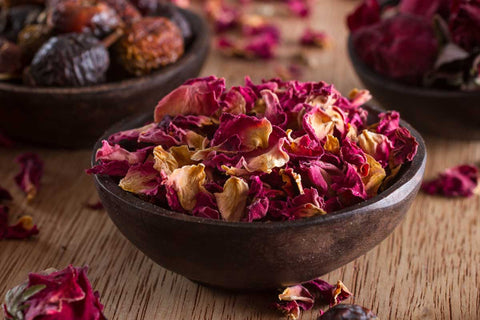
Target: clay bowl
(257, 256)
(75, 117)
(448, 114)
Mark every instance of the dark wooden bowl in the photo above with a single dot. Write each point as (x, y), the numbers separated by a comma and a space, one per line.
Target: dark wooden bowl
(257, 256)
(449, 114)
(75, 117)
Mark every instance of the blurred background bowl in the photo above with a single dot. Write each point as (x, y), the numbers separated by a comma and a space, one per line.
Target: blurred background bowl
(263, 255)
(75, 117)
(448, 114)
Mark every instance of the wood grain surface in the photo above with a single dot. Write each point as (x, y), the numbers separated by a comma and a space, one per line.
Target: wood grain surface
(427, 269)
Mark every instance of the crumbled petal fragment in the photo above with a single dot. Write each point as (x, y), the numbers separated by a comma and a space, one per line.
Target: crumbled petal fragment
(28, 179)
(96, 206)
(459, 181)
(222, 15)
(301, 8)
(22, 229)
(65, 294)
(315, 38)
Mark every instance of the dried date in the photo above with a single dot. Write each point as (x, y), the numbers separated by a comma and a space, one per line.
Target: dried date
(10, 59)
(171, 12)
(84, 16)
(16, 18)
(148, 44)
(125, 9)
(70, 60)
(348, 312)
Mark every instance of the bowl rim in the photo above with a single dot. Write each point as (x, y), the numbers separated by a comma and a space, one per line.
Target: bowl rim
(389, 83)
(412, 169)
(201, 39)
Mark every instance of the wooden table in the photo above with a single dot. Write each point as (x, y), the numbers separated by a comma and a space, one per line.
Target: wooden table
(427, 269)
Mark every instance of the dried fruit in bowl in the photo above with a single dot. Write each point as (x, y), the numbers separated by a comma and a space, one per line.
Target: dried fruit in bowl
(84, 16)
(148, 44)
(274, 151)
(70, 60)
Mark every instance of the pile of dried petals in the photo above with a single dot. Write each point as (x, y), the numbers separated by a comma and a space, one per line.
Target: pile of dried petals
(51, 294)
(304, 296)
(460, 181)
(273, 151)
(432, 43)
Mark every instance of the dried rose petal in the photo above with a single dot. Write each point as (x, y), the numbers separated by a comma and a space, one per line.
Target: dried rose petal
(368, 13)
(142, 178)
(426, 9)
(465, 23)
(299, 8)
(460, 181)
(95, 206)
(242, 133)
(222, 15)
(375, 178)
(304, 296)
(377, 145)
(232, 201)
(49, 295)
(311, 37)
(116, 153)
(187, 182)
(28, 179)
(24, 228)
(111, 168)
(194, 97)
